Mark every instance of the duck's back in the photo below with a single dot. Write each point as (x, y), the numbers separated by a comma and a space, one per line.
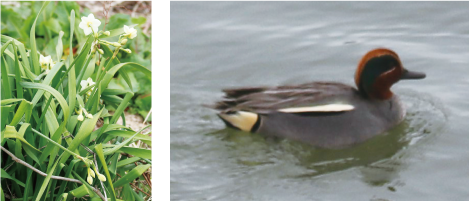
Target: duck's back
(278, 114)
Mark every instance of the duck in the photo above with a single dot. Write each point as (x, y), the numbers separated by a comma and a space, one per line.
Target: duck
(328, 115)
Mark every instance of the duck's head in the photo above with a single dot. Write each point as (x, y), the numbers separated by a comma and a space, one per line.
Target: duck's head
(378, 70)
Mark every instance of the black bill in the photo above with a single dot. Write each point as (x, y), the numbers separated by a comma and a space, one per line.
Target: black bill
(410, 75)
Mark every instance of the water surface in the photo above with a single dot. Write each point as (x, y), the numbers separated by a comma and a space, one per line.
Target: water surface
(216, 45)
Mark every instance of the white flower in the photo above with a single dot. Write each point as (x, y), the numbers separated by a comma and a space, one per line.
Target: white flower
(45, 61)
(130, 32)
(87, 83)
(88, 23)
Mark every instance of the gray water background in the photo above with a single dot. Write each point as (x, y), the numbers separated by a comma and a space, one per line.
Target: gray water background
(216, 45)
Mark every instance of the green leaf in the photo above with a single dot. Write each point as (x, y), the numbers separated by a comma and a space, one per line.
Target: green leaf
(133, 174)
(80, 191)
(126, 134)
(60, 47)
(32, 37)
(5, 111)
(142, 153)
(25, 109)
(46, 180)
(2, 197)
(139, 20)
(10, 132)
(53, 25)
(99, 151)
(4, 174)
(127, 161)
(114, 149)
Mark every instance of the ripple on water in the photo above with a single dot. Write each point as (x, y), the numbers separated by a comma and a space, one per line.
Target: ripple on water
(224, 163)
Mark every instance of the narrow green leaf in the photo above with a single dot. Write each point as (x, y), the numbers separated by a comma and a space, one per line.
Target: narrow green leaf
(46, 181)
(5, 111)
(128, 140)
(145, 138)
(133, 174)
(99, 151)
(60, 47)
(2, 197)
(4, 174)
(32, 37)
(142, 153)
(127, 161)
(24, 109)
(52, 91)
(80, 191)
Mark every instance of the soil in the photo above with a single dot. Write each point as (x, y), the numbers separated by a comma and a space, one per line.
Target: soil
(105, 9)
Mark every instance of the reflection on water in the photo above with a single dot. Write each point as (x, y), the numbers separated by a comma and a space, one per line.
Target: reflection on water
(378, 159)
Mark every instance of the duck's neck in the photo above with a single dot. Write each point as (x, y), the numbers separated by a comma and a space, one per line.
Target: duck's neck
(377, 93)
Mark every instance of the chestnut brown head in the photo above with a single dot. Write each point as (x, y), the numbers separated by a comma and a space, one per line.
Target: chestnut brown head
(378, 70)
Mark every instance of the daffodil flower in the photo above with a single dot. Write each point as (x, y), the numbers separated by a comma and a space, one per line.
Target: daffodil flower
(89, 24)
(87, 83)
(130, 32)
(45, 62)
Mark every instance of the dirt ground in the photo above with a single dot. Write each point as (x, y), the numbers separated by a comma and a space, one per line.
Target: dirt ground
(135, 122)
(105, 9)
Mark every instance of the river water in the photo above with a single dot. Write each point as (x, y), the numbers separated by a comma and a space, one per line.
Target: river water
(216, 45)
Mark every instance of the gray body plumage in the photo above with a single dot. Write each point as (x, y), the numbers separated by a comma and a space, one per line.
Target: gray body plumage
(369, 117)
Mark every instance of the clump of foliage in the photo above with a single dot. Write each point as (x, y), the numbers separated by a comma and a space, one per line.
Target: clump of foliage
(18, 21)
(58, 140)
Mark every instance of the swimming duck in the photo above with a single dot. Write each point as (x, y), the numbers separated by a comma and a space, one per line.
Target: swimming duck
(323, 114)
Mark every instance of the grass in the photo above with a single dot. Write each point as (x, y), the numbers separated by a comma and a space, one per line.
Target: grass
(50, 147)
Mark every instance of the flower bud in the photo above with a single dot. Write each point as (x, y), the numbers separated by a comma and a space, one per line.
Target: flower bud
(90, 116)
(116, 44)
(127, 50)
(101, 177)
(100, 51)
(80, 117)
(91, 172)
(89, 179)
(124, 41)
(107, 33)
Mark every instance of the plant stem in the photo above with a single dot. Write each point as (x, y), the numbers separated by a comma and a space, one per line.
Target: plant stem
(36, 170)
